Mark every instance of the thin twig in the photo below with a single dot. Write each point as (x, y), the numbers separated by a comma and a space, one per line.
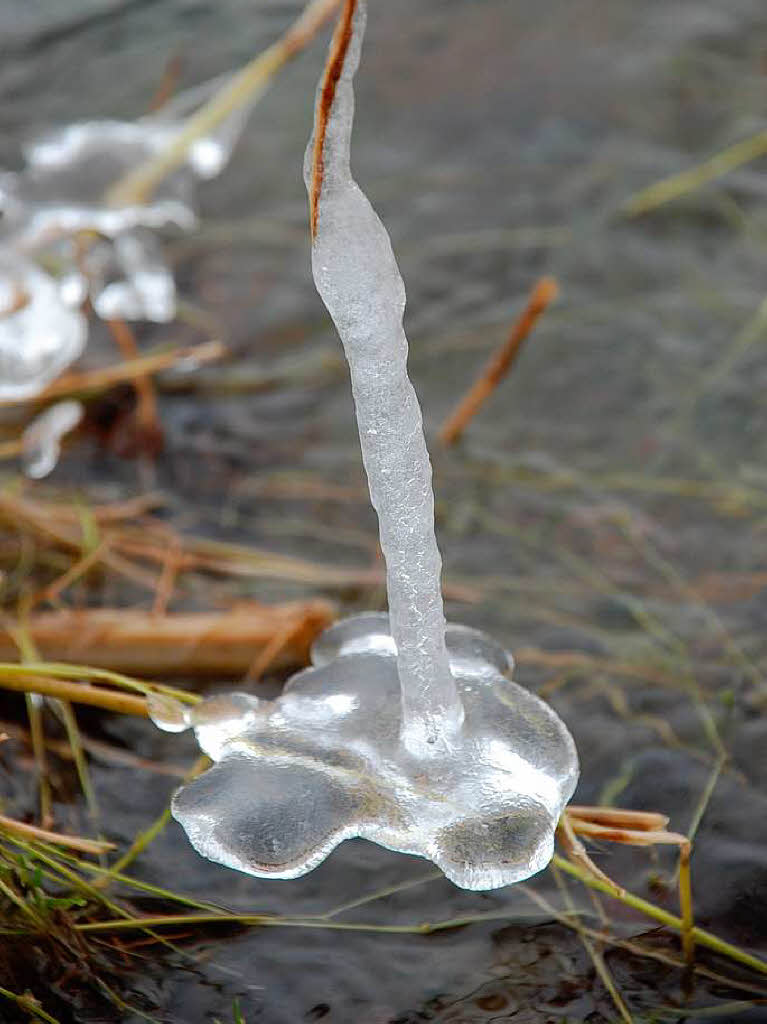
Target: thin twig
(147, 417)
(500, 363)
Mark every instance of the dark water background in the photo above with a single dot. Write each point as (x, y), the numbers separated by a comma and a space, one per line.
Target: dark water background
(611, 498)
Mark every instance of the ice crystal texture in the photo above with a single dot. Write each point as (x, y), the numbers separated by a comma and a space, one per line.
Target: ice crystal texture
(40, 332)
(325, 762)
(357, 277)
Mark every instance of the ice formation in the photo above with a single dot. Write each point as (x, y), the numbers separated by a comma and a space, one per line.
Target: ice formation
(41, 330)
(129, 279)
(325, 762)
(62, 191)
(404, 731)
(41, 440)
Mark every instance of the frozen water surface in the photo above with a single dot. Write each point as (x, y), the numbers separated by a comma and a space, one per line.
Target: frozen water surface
(400, 733)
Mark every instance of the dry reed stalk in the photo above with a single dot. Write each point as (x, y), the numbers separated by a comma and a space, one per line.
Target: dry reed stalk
(500, 363)
(185, 644)
(11, 449)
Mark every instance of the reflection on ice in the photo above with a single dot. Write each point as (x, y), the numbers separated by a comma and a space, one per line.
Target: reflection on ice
(324, 762)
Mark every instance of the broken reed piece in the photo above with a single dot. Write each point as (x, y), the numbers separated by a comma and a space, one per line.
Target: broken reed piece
(500, 363)
(191, 644)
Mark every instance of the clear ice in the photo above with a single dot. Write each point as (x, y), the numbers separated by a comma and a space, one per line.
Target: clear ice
(404, 731)
(41, 329)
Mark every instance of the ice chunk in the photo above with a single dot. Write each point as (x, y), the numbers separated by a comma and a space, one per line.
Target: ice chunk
(40, 333)
(130, 279)
(41, 441)
(359, 282)
(324, 762)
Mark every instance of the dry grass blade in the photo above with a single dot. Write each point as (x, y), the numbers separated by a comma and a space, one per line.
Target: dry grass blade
(78, 693)
(634, 828)
(21, 828)
(643, 821)
(677, 185)
(576, 851)
(500, 363)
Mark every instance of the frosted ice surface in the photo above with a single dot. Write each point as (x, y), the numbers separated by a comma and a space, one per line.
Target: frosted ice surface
(40, 333)
(324, 762)
(357, 277)
(41, 440)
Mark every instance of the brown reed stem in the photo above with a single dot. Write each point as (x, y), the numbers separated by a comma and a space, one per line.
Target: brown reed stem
(500, 363)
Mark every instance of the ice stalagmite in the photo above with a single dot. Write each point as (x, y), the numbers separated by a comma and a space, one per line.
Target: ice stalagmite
(401, 731)
(359, 282)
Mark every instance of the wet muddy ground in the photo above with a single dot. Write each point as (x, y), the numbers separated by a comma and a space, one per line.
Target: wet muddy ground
(610, 500)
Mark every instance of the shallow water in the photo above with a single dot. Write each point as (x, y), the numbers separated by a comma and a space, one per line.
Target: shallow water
(609, 500)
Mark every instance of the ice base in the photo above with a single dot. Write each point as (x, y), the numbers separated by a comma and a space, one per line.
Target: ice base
(324, 762)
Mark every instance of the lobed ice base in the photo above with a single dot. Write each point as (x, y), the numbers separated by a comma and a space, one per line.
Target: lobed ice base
(324, 762)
